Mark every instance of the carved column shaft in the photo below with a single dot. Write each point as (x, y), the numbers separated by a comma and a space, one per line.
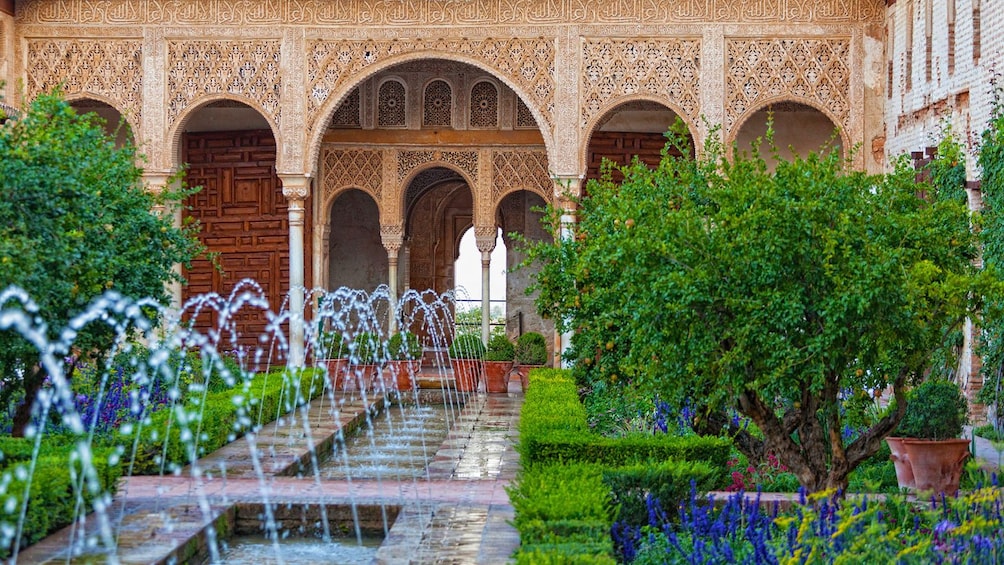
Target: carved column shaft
(296, 188)
(392, 238)
(485, 238)
(565, 189)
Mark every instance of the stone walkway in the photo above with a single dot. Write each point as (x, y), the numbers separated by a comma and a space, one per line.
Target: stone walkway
(458, 515)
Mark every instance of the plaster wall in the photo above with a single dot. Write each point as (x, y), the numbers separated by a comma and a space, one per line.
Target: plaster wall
(356, 255)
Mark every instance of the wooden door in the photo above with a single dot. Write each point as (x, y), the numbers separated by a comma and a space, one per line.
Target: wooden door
(244, 220)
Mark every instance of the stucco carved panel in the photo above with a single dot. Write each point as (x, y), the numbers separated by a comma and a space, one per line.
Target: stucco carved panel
(466, 161)
(527, 63)
(443, 12)
(814, 70)
(250, 69)
(665, 68)
(359, 168)
(514, 170)
(111, 68)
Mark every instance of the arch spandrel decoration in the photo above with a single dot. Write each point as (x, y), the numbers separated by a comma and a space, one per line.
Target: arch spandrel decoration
(527, 62)
(357, 168)
(242, 68)
(466, 161)
(514, 170)
(816, 71)
(108, 68)
(668, 69)
(441, 12)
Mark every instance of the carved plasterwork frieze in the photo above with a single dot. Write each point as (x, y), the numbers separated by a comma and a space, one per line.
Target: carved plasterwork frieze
(514, 170)
(527, 63)
(443, 12)
(466, 161)
(359, 168)
(245, 68)
(816, 71)
(668, 69)
(111, 68)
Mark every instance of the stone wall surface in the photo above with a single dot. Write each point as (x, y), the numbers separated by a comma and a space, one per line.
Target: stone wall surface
(568, 61)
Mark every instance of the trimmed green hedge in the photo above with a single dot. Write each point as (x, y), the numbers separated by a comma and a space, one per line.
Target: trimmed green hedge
(210, 424)
(56, 485)
(574, 483)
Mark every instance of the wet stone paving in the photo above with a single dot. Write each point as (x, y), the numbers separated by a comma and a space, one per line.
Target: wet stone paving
(456, 512)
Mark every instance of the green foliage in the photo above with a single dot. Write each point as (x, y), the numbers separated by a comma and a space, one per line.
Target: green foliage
(76, 221)
(531, 349)
(171, 438)
(54, 491)
(467, 346)
(766, 289)
(331, 345)
(991, 162)
(668, 482)
(935, 409)
(500, 349)
(367, 349)
(404, 346)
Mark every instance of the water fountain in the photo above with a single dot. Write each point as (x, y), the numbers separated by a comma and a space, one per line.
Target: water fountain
(176, 446)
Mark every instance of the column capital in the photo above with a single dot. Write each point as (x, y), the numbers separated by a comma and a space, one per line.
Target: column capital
(392, 237)
(567, 187)
(295, 186)
(485, 237)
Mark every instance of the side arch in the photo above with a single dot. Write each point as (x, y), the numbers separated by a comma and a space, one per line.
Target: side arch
(593, 124)
(327, 109)
(173, 138)
(744, 120)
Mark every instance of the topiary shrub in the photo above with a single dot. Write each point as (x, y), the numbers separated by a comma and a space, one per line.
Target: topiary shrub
(367, 348)
(404, 346)
(531, 349)
(500, 349)
(934, 410)
(467, 346)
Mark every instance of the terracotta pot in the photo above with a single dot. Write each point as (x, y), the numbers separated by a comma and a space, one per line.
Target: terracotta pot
(524, 375)
(904, 471)
(360, 377)
(337, 369)
(466, 374)
(937, 465)
(403, 372)
(497, 376)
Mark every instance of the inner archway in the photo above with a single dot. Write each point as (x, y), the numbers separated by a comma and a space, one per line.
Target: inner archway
(468, 286)
(798, 130)
(115, 124)
(356, 256)
(633, 129)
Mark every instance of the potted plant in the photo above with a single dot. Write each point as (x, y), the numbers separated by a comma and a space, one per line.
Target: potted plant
(466, 354)
(935, 414)
(531, 353)
(498, 362)
(331, 351)
(366, 352)
(405, 359)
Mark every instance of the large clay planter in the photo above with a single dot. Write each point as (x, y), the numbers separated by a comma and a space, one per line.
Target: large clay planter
(466, 374)
(524, 375)
(360, 377)
(900, 459)
(403, 373)
(497, 376)
(337, 369)
(937, 465)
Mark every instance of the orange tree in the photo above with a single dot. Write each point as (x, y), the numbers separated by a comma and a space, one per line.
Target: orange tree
(770, 291)
(75, 222)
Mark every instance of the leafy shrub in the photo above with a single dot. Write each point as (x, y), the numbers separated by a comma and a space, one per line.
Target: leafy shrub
(500, 349)
(367, 348)
(594, 553)
(670, 482)
(936, 409)
(467, 346)
(172, 438)
(531, 349)
(53, 493)
(404, 346)
(331, 345)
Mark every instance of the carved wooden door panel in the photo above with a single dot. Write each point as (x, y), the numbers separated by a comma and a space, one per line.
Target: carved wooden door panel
(244, 219)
